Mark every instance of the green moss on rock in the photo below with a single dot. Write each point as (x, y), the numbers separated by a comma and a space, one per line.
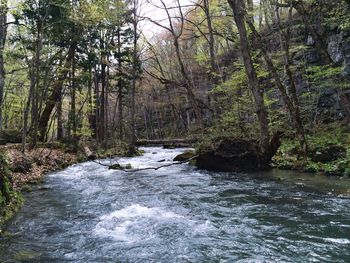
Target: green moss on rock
(10, 200)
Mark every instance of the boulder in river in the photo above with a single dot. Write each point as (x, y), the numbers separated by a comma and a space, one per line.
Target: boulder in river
(236, 155)
(118, 166)
(184, 156)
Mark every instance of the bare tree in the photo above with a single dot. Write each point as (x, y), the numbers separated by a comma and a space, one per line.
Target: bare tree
(176, 31)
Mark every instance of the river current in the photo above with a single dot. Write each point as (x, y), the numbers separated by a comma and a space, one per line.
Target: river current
(88, 213)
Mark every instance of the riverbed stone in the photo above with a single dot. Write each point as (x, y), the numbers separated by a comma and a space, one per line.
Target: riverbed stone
(184, 156)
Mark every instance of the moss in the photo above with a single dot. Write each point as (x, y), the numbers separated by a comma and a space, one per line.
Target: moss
(11, 207)
(290, 157)
(81, 158)
(184, 156)
(10, 200)
(118, 166)
(128, 166)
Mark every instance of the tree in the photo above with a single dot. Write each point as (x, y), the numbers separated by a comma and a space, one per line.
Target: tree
(3, 33)
(289, 95)
(176, 31)
(239, 12)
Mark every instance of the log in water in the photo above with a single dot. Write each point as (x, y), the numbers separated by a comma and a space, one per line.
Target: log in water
(88, 213)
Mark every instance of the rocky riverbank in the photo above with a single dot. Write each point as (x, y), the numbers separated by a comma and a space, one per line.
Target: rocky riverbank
(19, 171)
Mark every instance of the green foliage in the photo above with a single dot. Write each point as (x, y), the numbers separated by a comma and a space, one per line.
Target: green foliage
(339, 16)
(325, 76)
(290, 156)
(10, 200)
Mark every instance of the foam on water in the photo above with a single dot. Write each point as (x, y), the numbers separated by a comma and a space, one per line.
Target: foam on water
(128, 224)
(342, 241)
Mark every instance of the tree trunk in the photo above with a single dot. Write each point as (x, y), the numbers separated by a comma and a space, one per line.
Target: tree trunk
(206, 4)
(106, 127)
(134, 78)
(35, 97)
(120, 89)
(285, 43)
(101, 119)
(258, 94)
(291, 103)
(73, 115)
(97, 103)
(321, 44)
(3, 33)
(59, 120)
(26, 111)
(55, 95)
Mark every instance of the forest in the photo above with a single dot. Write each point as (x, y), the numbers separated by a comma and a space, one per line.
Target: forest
(82, 70)
(249, 84)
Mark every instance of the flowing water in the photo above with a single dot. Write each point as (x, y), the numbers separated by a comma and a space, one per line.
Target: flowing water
(88, 213)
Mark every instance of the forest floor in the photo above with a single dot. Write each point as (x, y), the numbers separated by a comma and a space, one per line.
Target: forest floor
(30, 168)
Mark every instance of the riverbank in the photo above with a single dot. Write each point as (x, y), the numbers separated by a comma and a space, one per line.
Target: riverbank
(328, 154)
(19, 172)
(328, 151)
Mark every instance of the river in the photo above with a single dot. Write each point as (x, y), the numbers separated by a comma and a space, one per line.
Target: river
(88, 213)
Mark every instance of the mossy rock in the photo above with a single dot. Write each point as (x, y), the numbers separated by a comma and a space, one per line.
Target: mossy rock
(115, 166)
(231, 155)
(118, 166)
(184, 156)
(128, 166)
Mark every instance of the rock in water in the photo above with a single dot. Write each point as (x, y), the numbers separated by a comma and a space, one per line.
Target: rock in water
(184, 156)
(235, 155)
(118, 166)
(115, 166)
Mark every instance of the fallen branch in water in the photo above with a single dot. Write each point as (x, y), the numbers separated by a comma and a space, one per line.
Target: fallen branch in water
(147, 168)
